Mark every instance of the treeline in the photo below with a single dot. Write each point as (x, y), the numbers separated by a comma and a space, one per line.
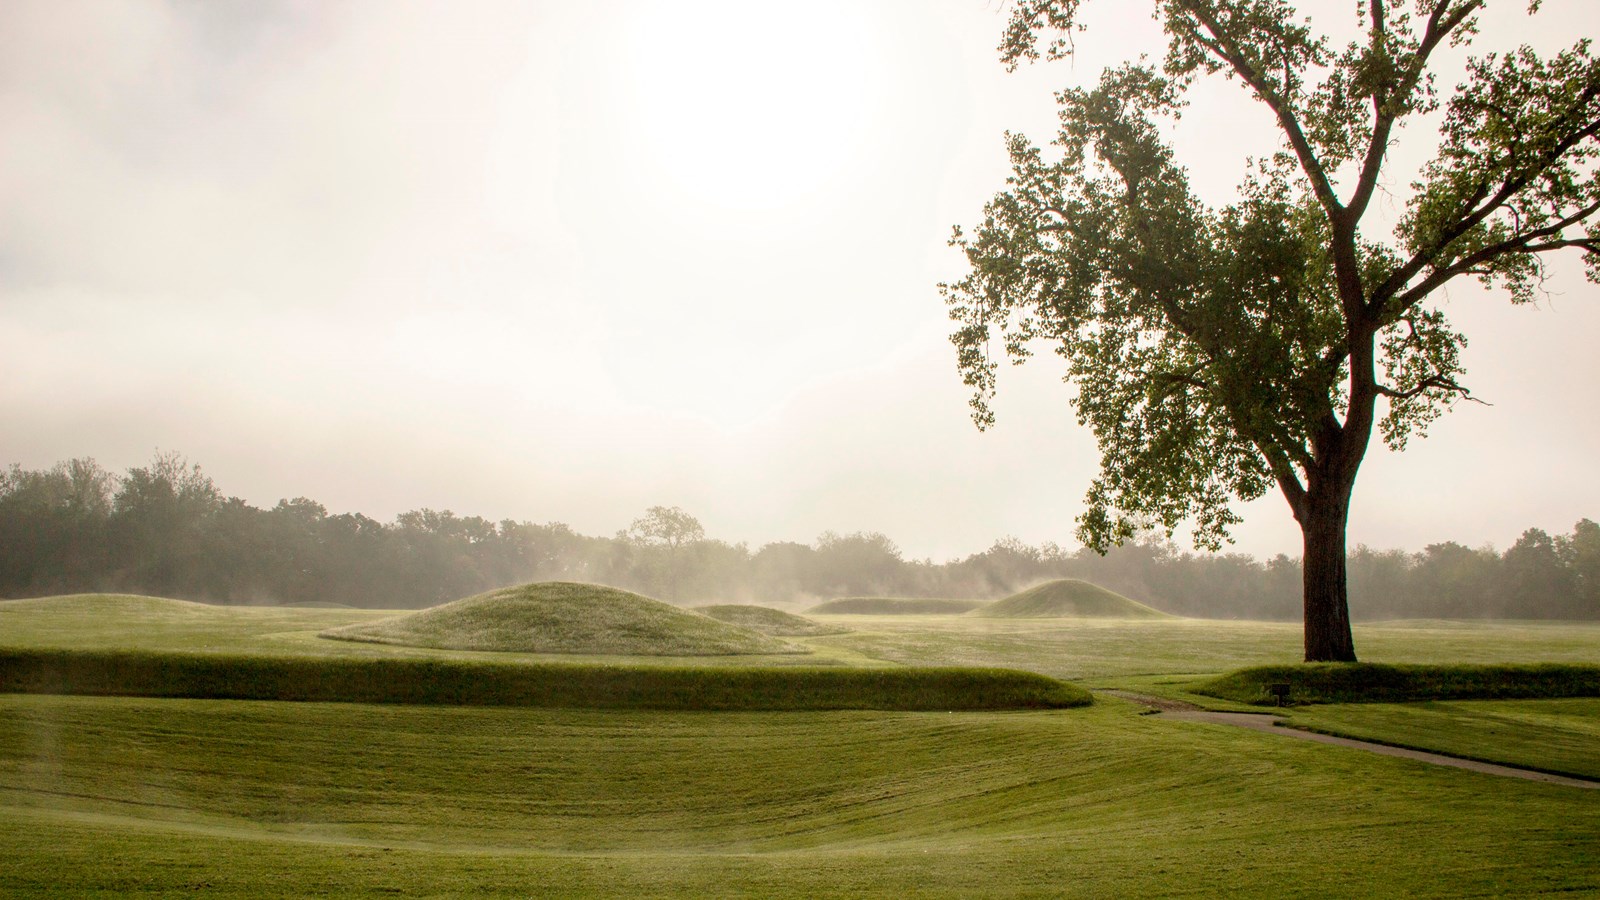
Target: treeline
(166, 529)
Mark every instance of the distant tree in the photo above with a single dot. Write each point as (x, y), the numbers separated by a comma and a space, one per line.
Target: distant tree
(298, 530)
(1537, 583)
(1379, 582)
(159, 524)
(53, 527)
(668, 527)
(1449, 580)
(1007, 566)
(1581, 553)
(366, 568)
(1280, 598)
(778, 571)
(863, 563)
(670, 531)
(1219, 352)
(441, 554)
(716, 571)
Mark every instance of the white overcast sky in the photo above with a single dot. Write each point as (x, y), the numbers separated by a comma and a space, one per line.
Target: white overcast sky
(563, 261)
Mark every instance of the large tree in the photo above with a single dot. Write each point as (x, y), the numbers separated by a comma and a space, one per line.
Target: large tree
(1218, 352)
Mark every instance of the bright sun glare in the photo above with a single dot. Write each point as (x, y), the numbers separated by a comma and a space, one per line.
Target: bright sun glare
(750, 106)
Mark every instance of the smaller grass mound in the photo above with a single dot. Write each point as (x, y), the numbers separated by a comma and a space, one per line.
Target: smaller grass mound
(102, 605)
(893, 606)
(1383, 683)
(565, 617)
(125, 673)
(774, 622)
(1068, 598)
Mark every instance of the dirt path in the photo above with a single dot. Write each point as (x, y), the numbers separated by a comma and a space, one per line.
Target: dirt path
(1188, 712)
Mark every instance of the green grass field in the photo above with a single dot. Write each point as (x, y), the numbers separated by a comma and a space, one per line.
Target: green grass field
(119, 795)
(1561, 736)
(110, 796)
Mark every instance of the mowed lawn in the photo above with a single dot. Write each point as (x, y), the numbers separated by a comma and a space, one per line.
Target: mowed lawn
(1561, 736)
(1096, 650)
(119, 796)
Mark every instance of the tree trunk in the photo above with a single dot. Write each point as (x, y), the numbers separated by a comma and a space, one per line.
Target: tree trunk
(1327, 611)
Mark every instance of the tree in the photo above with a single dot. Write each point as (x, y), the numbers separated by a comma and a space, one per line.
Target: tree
(1220, 351)
(670, 531)
(865, 563)
(1449, 580)
(159, 523)
(1538, 583)
(1582, 556)
(52, 527)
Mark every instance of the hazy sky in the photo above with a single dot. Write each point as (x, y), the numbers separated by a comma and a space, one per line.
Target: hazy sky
(563, 261)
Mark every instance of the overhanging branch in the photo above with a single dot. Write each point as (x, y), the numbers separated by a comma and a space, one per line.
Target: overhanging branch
(1528, 243)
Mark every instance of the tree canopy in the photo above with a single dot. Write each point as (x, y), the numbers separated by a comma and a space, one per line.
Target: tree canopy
(1221, 351)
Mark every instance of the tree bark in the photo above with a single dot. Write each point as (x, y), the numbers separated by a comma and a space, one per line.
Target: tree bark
(1327, 611)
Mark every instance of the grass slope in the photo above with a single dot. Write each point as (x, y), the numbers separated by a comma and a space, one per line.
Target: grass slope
(482, 683)
(893, 606)
(766, 620)
(1383, 683)
(100, 605)
(118, 796)
(565, 617)
(1559, 736)
(1067, 598)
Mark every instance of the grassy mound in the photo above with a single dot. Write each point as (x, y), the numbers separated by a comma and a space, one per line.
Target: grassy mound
(564, 617)
(1068, 598)
(893, 606)
(766, 620)
(101, 605)
(1381, 683)
(551, 685)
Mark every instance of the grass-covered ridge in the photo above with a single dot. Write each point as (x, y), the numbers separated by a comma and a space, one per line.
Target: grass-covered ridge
(90, 605)
(1384, 683)
(894, 606)
(774, 622)
(553, 685)
(565, 617)
(1067, 598)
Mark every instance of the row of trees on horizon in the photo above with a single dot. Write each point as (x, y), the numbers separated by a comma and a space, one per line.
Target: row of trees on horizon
(167, 529)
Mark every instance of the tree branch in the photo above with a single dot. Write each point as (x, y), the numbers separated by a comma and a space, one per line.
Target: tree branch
(1384, 113)
(1226, 49)
(1589, 244)
(1522, 243)
(1508, 189)
(1430, 383)
(1288, 480)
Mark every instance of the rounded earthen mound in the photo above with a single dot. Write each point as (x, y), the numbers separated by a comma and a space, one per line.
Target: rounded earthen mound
(766, 620)
(1067, 598)
(565, 617)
